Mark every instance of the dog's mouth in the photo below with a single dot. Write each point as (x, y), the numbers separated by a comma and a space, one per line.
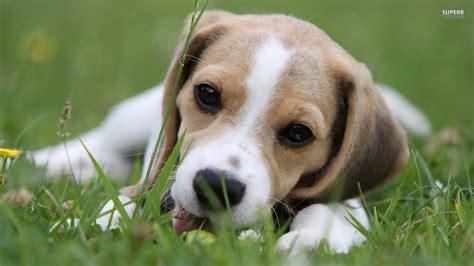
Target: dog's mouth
(186, 221)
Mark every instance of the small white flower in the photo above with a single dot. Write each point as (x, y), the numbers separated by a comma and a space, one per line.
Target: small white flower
(250, 234)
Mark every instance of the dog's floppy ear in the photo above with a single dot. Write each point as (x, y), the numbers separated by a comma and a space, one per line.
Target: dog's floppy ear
(207, 30)
(369, 146)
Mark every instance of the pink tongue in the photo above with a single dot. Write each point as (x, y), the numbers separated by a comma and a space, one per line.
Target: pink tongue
(185, 221)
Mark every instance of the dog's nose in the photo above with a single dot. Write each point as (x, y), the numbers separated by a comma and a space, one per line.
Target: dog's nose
(213, 185)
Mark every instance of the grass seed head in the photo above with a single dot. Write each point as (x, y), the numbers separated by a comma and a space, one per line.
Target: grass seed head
(65, 116)
(18, 198)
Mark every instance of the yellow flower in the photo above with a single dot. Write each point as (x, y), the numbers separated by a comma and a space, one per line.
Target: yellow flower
(10, 153)
(37, 47)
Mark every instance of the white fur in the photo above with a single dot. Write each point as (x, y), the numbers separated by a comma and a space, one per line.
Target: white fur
(216, 154)
(328, 222)
(114, 217)
(270, 60)
(108, 220)
(239, 142)
(124, 132)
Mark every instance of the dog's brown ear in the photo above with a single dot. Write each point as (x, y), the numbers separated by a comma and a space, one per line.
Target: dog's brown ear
(208, 29)
(370, 146)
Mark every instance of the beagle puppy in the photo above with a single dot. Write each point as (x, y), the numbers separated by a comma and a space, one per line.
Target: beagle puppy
(274, 111)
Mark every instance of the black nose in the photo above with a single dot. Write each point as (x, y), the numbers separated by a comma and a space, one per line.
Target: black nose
(212, 185)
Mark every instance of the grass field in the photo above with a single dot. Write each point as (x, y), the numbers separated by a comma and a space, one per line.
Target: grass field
(96, 53)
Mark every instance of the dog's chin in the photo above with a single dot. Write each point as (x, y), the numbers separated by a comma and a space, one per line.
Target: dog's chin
(185, 221)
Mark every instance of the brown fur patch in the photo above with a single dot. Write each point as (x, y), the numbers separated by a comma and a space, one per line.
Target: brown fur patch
(234, 161)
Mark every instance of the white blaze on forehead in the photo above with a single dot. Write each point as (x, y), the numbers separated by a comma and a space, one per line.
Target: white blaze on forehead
(270, 60)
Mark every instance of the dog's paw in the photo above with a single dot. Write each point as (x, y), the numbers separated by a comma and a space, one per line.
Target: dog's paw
(112, 218)
(306, 239)
(296, 241)
(330, 223)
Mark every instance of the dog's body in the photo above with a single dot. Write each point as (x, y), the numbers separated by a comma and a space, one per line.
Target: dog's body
(277, 110)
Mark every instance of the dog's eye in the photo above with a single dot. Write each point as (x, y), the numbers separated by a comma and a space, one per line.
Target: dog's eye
(296, 135)
(207, 98)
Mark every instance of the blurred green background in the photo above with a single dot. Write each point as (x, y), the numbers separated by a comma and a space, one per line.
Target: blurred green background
(98, 53)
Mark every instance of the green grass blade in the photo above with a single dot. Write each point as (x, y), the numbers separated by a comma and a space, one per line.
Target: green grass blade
(224, 190)
(12, 217)
(357, 225)
(194, 21)
(109, 187)
(162, 182)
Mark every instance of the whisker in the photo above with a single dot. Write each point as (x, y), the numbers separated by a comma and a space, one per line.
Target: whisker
(166, 198)
(288, 208)
(198, 60)
(276, 216)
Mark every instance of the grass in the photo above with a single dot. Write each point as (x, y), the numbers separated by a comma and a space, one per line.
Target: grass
(54, 50)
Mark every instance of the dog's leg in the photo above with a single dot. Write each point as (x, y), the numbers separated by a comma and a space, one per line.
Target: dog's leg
(130, 192)
(329, 222)
(124, 132)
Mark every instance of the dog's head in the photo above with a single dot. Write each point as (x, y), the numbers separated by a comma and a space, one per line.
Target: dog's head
(274, 110)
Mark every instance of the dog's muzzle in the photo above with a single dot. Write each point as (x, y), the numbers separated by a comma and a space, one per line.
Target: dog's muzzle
(215, 190)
